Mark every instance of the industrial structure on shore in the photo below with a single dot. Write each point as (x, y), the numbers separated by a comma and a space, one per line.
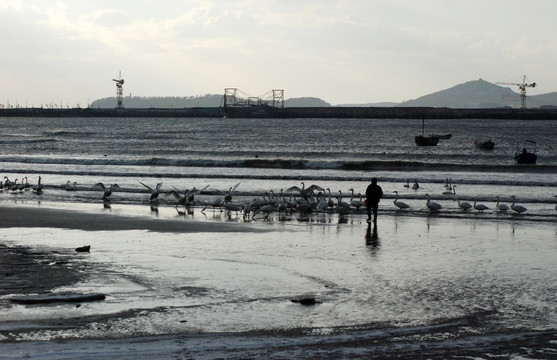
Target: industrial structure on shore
(522, 88)
(233, 99)
(119, 91)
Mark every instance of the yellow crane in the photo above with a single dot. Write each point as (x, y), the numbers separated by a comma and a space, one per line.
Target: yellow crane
(522, 87)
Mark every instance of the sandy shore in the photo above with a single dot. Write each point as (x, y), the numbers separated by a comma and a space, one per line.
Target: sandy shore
(37, 269)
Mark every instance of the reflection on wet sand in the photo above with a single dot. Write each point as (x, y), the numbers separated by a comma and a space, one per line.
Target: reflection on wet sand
(372, 238)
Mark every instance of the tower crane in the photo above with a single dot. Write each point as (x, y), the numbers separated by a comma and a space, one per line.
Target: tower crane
(522, 87)
(119, 91)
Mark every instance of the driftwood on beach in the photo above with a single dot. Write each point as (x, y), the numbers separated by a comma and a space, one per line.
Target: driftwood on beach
(60, 297)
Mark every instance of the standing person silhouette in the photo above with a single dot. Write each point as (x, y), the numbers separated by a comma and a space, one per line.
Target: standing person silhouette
(373, 196)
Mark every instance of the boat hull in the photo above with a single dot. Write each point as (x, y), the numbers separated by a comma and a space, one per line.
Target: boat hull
(488, 145)
(525, 158)
(426, 140)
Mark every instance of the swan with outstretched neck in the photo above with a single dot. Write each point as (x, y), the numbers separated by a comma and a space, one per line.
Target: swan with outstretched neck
(399, 204)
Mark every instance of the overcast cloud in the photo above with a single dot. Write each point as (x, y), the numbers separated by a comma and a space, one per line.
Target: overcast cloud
(355, 52)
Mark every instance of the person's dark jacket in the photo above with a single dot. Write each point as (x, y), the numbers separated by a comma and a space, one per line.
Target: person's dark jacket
(374, 194)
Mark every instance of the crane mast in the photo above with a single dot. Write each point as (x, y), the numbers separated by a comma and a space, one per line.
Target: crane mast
(522, 88)
(119, 91)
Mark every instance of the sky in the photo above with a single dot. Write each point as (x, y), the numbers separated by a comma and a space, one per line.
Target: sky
(67, 52)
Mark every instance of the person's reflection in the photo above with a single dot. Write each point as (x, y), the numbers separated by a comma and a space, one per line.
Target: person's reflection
(372, 239)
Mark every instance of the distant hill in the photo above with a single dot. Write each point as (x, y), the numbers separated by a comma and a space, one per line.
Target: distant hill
(306, 102)
(472, 94)
(477, 94)
(543, 100)
(379, 104)
(163, 102)
(207, 101)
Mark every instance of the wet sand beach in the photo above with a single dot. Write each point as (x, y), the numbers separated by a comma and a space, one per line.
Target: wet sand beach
(210, 286)
(26, 217)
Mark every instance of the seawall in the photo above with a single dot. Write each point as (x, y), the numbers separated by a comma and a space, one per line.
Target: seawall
(298, 112)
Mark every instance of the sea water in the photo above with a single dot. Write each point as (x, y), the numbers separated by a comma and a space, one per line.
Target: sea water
(274, 154)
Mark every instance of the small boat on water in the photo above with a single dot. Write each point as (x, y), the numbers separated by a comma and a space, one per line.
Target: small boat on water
(422, 140)
(487, 145)
(524, 156)
(429, 140)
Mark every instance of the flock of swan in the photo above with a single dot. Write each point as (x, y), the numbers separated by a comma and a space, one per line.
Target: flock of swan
(465, 205)
(311, 199)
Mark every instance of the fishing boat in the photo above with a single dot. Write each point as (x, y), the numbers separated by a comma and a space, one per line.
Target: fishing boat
(423, 140)
(487, 145)
(524, 156)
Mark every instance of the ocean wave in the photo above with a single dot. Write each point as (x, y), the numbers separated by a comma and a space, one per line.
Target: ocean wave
(295, 177)
(62, 133)
(26, 141)
(288, 164)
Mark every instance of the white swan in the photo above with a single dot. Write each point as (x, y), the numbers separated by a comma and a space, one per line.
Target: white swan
(189, 196)
(502, 207)
(322, 204)
(8, 183)
(21, 186)
(354, 202)
(39, 187)
(518, 208)
(433, 206)
(342, 203)
(71, 186)
(480, 207)
(342, 210)
(400, 204)
(331, 203)
(181, 200)
(27, 185)
(247, 209)
(228, 195)
(464, 205)
(452, 191)
(154, 192)
(305, 193)
(416, 186)
(107, 191)
(216, 203)
(13, 185)
(267, 210)
(232, 207)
